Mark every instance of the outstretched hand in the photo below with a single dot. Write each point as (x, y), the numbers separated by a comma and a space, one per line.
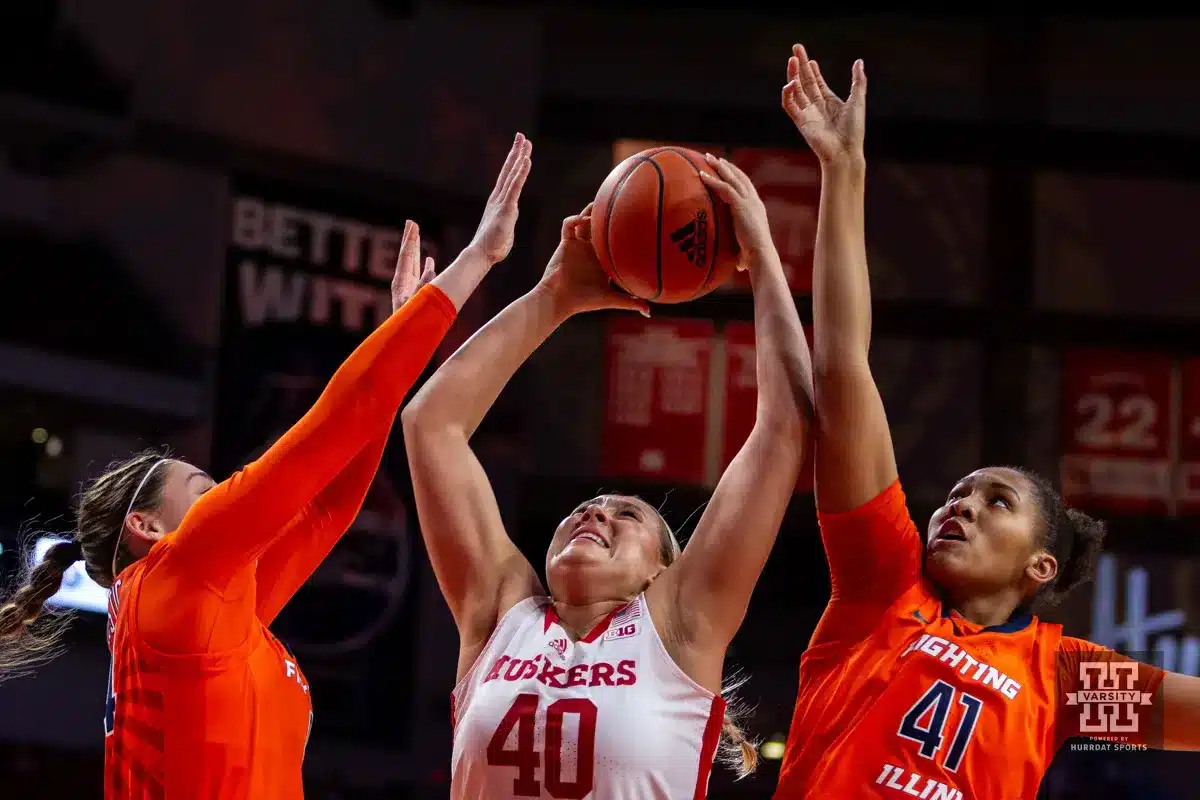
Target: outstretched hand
(410, 275)
(749, 212)
(575, 277)
(494, 238)
(834, 128)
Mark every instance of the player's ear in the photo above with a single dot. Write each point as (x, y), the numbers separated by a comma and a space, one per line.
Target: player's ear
(1042, 567)
(145, 526)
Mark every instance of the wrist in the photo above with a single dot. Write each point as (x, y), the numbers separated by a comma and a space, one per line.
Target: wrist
(851, 166)
(552, 297)
(477, 252)
(766, 270)
(760, 258)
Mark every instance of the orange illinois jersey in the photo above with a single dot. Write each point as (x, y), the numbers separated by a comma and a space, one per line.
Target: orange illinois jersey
(901, 698)
(203, 701)
(231, 724)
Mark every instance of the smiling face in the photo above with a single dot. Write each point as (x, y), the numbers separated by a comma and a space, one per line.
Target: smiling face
(988, 537)
(609, 548)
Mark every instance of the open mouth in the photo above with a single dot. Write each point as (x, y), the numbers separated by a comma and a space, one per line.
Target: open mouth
(951, 531)
(591, 535)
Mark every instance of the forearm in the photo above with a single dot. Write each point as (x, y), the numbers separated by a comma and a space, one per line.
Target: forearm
(466, 386)
(841, 286)
(783, 361)
(295, 555)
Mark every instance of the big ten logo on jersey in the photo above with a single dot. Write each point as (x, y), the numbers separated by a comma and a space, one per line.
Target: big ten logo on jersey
(543, 669)
(624, 624)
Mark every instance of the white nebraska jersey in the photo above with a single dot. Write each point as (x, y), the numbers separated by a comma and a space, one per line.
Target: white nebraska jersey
(608, 717)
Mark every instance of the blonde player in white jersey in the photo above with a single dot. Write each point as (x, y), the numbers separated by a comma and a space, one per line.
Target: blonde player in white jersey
(609, 685)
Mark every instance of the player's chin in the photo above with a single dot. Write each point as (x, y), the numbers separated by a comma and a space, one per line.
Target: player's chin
(574, 559)
(945, 566)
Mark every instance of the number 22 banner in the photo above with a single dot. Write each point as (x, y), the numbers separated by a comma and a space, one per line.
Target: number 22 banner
(1117, 412)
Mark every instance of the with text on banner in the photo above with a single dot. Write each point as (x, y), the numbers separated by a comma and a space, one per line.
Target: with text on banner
(682, 399)
(658, 399)
(1116, 428)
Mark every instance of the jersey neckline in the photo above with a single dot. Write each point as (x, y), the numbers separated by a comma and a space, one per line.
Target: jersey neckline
(552, 618)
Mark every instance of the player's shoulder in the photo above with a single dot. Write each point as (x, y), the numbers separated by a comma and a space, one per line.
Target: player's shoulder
(887, 509)
(530, 615)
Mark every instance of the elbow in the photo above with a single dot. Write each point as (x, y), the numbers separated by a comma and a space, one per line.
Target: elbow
(420, 414)
(839, 365)
(785, 427)
(412, 414)
(781, 437)
(422, 423)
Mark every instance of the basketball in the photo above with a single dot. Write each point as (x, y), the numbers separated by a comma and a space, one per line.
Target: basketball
(659, 232)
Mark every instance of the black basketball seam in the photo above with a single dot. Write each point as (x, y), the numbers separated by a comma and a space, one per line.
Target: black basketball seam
(712, 205)
(658, 261)
(612, 203)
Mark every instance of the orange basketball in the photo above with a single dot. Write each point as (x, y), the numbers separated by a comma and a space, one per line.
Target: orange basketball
(659, 232)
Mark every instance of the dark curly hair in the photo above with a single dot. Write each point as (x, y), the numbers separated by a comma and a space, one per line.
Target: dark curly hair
(1071, 536)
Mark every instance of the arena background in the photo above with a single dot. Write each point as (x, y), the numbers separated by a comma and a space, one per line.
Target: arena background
(1033, 188)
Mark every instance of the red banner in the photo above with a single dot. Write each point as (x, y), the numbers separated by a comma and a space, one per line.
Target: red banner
(658, 398)
(1116, 430)
(789, 183)
(1189, 441)
(741, 397)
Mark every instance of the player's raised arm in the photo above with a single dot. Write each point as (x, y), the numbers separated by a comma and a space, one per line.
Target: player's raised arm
(480, 570)
(869, 537)
(292, 558)
(854, 458)
(233, 524)
(708, 589)
(297, 552)
(250, 509)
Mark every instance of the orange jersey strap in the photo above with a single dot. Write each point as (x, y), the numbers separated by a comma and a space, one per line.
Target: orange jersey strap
(874, 554)
(295, 555)
(232, 525)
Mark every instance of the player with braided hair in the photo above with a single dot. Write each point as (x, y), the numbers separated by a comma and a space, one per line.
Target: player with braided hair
(204, 702)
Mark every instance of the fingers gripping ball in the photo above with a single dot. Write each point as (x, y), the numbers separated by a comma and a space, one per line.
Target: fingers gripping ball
(659, 232)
